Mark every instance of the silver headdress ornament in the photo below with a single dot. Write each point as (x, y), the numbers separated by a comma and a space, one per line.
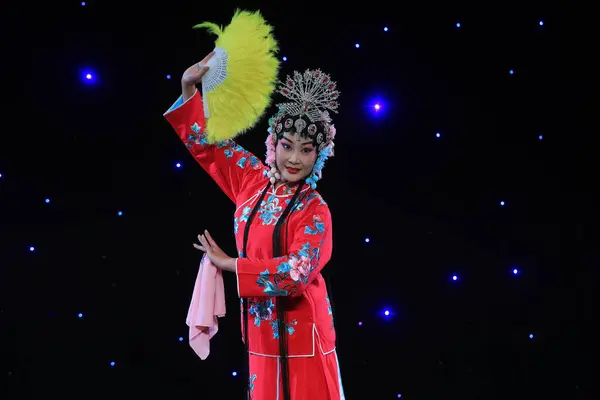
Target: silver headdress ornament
(312, 94)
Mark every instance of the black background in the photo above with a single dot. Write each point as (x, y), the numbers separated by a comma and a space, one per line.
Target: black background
(431, 206)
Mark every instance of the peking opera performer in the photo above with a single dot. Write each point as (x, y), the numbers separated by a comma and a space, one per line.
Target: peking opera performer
(283, 233)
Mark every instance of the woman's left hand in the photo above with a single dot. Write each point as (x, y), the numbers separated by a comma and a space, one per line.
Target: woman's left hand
(214, 252)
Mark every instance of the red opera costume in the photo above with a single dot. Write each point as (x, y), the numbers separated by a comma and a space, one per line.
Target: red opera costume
(265, 280)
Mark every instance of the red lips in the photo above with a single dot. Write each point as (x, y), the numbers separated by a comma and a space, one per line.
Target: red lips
(293, 171)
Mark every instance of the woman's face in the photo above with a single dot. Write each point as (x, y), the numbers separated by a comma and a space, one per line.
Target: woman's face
(296, 157)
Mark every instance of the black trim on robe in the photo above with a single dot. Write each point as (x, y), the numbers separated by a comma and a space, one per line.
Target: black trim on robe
(281, 301)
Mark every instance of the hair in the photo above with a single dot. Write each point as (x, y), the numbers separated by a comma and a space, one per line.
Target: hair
(279, 250)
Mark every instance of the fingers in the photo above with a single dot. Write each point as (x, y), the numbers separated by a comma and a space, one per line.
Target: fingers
(201, 73)
(208, 245)
(201, 248)
(208, 56)
(202, 68)
(202, 64)
(205, 245)
(211, 242)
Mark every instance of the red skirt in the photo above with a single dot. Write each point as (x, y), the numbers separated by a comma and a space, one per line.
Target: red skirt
(310, 378)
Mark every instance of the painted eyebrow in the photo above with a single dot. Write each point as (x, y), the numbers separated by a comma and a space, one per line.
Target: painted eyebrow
(291, 141)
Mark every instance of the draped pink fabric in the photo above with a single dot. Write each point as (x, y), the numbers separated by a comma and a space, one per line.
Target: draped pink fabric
(207, 305)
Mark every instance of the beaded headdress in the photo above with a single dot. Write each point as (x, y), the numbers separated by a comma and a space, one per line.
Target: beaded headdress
(312, 95)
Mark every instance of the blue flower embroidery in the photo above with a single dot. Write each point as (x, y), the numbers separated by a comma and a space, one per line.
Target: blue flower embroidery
(196, 128)
(229, 147)
(262, 311)
(296, 267)
(196, 137)
(284, 267)
(247, 158)
(254, 162)
(270, 288)
(270, 210)
(251, 381)
(314, 195)
(304, 250)
(224, 143)
(243, 218)
(303, 204)
(289, 327)
(319, 226)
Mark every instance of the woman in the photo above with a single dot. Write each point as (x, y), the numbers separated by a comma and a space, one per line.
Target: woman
(283, 234)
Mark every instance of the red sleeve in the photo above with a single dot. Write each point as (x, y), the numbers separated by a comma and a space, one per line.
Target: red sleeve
(310, 250)
(226, 162)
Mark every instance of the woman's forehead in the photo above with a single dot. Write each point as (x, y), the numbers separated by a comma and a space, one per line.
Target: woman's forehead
(295, 137)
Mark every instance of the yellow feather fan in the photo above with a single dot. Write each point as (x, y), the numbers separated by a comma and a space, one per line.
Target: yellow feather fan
(242, 75)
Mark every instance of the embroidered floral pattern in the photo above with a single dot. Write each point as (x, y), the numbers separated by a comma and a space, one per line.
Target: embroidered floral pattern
(270, 210)
(270, 288)
(229, 148)
(243, 218)
(196, 137)
(295, 268)
(262, 311)
(251, 382)
(299, 268)
(309, 199)
(319, 226)
(247, 158)
(289, 327)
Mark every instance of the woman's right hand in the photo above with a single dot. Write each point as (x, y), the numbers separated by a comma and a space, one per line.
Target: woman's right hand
(193, 75)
